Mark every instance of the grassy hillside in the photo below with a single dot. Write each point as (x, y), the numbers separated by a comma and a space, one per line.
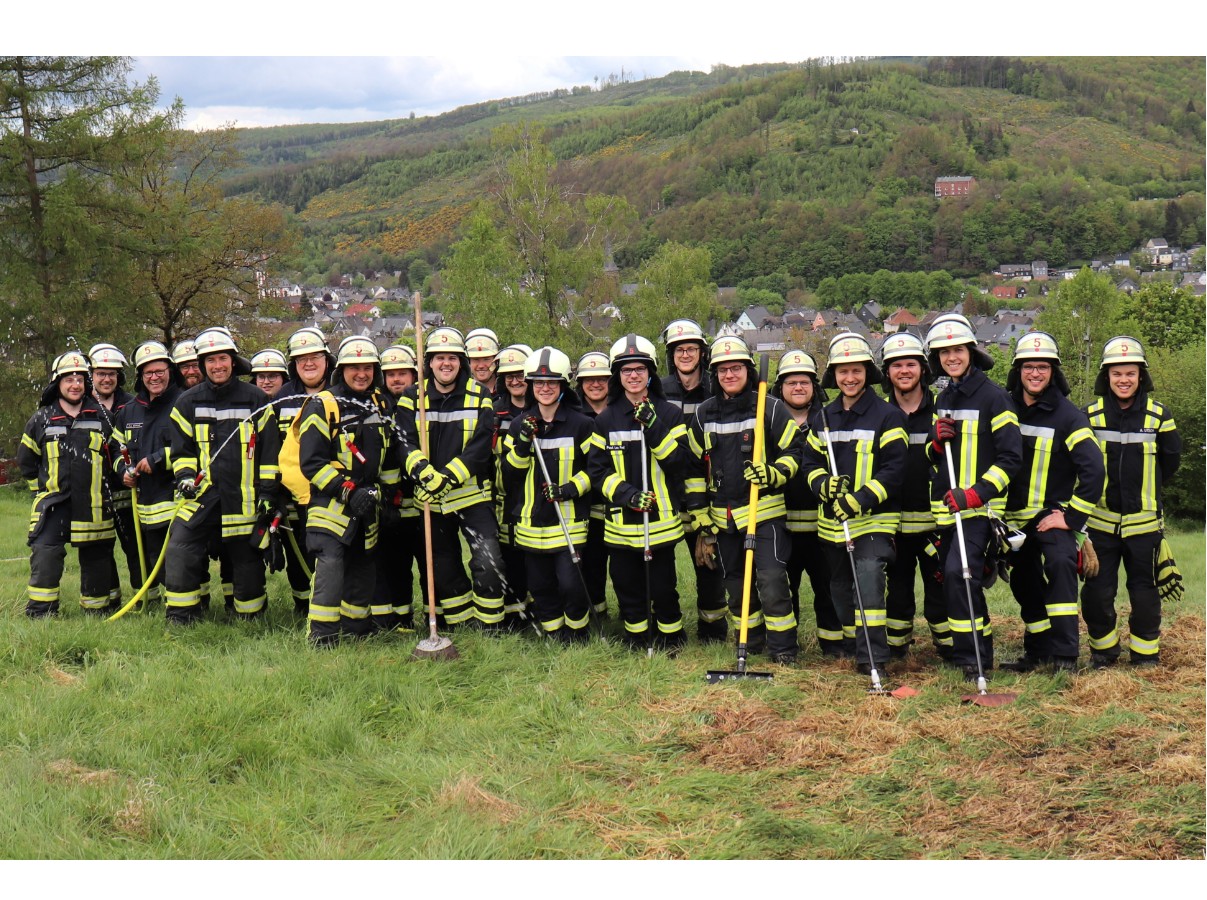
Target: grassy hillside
(1081, 158)
(120, 740)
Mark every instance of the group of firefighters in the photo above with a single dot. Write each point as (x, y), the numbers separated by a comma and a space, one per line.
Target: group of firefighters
(346, 471)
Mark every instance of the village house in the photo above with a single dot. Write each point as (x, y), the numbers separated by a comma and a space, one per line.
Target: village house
(954, 186)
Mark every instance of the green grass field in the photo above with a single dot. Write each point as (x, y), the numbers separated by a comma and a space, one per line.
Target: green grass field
(122, 741)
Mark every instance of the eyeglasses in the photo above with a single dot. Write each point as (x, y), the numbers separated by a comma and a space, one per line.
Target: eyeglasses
(155, 373)
(515, 379)
(687, 350)
(732, 369)
(1037, 367)
(633, 370)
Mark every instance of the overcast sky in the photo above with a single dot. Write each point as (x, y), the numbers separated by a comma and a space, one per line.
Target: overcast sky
(256, 63)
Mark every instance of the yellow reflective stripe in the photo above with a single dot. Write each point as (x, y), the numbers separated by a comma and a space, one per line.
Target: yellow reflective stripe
(1061, 609)
(826, 635)
(899, 624)
(877, 489)
(1038, 626)
(352, 611)
(181, 599)
(1143, 647)
(875, 618)
(1106, 641)
(254, 605)
(551, 625)
(781, 623)
(43, 595)
(458, 472)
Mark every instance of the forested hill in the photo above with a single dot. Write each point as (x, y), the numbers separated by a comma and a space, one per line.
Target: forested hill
(805, 170)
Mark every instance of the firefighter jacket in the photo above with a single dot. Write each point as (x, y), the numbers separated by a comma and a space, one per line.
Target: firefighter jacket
(599, 507)
(799, 498)
(563, 444)
(120, 495)
(916, 514)
(615, 467)
(460, 426)
(400, 496)
(356, 447)
(988, 448)
(1058, 452)
(870, 446)
(228, 434)
(507, 480)
(686, 401)
(66, 459)
(721, 436)
(1142, 449)
(144, 427)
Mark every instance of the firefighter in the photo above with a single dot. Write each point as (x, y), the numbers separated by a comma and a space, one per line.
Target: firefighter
(65, 455)
(547, 509)
(143, 427)
(269, 370)
(349, 464)
(309, 371)
(975, 421)
(454, 478)
(797, 386)
(1142, 448)
(686, 385)
(224, 446)
(399, 540)
(184, 357)
(854, 467)
(638, 450)
(509, 369)
(481, 347)
(591, 378)
(721, 432)
(906, 384)
(108, 387)
(1050, 501)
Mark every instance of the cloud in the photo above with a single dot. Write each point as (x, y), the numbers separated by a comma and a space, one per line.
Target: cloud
(285, 90)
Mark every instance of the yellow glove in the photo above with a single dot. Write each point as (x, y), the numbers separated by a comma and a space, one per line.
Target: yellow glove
(1166, 574)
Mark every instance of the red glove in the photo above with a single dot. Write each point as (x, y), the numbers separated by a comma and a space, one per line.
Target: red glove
(945, 432)
(959, 500)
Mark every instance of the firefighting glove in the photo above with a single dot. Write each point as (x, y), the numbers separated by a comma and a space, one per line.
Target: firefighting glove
(764, 475)
(187, 488)
(945, 431)
(700, 519)
(274, 553)
(645, 413)
(1166, 574)
(427, 475)
(1087, 557)
(705, 555)
(529, 426)
(962, 499)
(554, 492)
(643, 501)
(846, 507)
(361, 502)
(834, 487)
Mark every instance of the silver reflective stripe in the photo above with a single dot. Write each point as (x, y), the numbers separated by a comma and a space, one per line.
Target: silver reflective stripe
(617, 437)
(919, 438)
(1124, 437)
(961, 415)
(55, 431)
(729, 427)
(554, 443)
(1037, 431)
(688, 408)
(859, 434)
(221, 415)
(459, 415)
(88, 424)
(288, 412)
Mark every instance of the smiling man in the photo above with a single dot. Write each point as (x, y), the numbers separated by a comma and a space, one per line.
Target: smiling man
(1050, 501)
(453, 478)
(350, 464)
(860, 488)
(108, 387)
(1142, 449)
(976, 419)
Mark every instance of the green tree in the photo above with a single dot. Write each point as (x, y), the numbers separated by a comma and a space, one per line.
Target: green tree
(65, 122)
(672, 284)
(480, 283)
(1180, 380)
(1081, 314)
(557, 233)
(197, 257)
(1167, 316)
